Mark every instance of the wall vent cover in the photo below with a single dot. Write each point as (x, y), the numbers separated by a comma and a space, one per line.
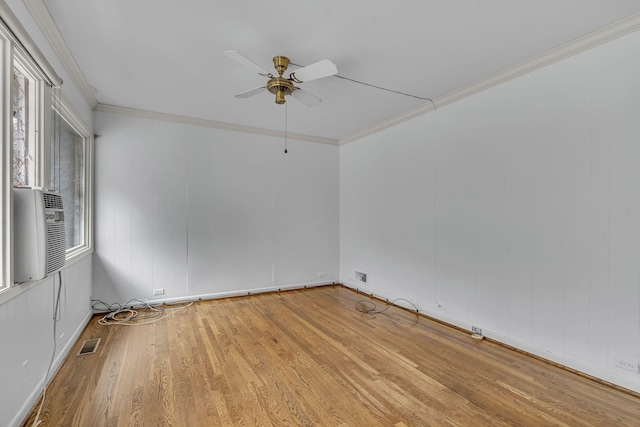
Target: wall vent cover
(89, 347)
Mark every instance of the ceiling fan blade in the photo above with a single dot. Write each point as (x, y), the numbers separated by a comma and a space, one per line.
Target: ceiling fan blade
(250, 92)
(305, 97)
(324, 68)
(238, 57)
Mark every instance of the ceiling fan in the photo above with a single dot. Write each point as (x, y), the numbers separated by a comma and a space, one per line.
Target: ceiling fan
(281, 86)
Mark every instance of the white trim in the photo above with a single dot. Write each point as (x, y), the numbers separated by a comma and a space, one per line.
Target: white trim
(558, 359)
(564, 361)
(35, 115)
(6, 168)
(106, 108)
(239, 293)
(43, 18)
(392, 121)
(27, 406)
(73, 116)
(618, 29)
(70, 115)
(42, 167)
(47, 25)
(25, 43)
(17, 289)
(595, 38)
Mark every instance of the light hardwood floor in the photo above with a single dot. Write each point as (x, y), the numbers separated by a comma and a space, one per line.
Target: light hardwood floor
(308, 357)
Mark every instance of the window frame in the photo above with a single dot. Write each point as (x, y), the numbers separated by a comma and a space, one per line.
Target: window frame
(67, 113)
(6, 160)
(39, 100)
(13, 54)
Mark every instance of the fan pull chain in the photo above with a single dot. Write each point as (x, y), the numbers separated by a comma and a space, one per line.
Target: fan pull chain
(285, 127)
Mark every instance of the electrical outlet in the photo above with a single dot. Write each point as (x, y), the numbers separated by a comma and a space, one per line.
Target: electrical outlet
(361, 277)
(626, 364)
(476, 330)
(321, 275)
(159, 291)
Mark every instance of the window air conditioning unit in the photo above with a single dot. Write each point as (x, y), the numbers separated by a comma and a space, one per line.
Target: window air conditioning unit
(38, 234)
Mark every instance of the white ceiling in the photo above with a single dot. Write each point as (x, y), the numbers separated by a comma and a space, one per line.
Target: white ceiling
(167, 56)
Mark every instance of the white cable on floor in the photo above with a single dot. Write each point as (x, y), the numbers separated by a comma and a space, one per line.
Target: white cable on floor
(116, 318)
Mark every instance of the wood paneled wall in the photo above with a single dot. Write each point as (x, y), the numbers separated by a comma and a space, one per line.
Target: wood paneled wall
(202, 211)
(516, 210)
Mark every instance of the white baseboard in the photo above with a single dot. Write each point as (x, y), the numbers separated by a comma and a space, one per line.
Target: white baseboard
(244, 292)
(565, 361)
(236, 293)
(558, 359)
(27, 406)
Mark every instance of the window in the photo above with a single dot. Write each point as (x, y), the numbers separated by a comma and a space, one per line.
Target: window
(68, 158)
(45, 144)
(28, 101)
(20, 116)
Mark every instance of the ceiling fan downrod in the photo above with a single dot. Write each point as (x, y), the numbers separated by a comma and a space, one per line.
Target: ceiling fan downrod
(280, 86)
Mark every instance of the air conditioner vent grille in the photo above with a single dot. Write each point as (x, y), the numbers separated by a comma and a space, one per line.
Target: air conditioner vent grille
(52, 201)
(56, 245)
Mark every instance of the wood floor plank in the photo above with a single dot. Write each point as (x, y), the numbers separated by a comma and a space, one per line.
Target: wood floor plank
(308, 358)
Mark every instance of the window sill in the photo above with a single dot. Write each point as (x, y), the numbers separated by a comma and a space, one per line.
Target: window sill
(76, 255)
(11, 292)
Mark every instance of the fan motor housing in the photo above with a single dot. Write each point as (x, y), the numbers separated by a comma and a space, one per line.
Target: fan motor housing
(280, 87)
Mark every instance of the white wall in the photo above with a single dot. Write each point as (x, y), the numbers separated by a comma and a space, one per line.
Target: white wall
(27, 336)
(517, 210)
(26, 321)
(199, 211)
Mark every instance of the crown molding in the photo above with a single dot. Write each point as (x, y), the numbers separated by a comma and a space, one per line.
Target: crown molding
(391, 121)
(603, 35)
(43, 19)
(23, 42)
(618, 29)
(154, 115)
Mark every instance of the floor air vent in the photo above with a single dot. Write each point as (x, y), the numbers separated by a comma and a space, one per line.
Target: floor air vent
(89, 347)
